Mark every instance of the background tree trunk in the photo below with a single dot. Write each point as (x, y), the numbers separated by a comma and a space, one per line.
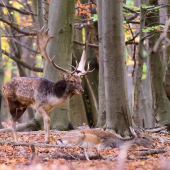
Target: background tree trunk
(1, 77)
(101, 89)
(139, 71)
(40, 13)
(161, 104)
(77, 108)
(60, 24)
(117, 109)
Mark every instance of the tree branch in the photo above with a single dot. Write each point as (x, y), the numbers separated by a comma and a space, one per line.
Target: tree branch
(17, 29)
(162, 37)
(24, 11)
(83, 44)
(22, 63)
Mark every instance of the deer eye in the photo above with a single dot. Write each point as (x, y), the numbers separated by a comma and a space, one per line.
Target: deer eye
(71, 81)
(143, 138)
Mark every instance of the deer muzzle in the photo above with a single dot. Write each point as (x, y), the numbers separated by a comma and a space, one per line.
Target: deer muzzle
(81, 91)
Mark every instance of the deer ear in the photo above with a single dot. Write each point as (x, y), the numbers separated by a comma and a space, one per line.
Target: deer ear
(62, 75)
(133, 131)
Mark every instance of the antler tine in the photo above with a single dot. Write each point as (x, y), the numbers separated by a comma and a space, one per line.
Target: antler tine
(41, 30)
(75, 68)
(58, 67)
(42, 40)
(88, 67)
(72, 66)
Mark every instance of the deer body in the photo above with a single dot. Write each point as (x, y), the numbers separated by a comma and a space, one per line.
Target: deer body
(42, 94)
(23, 92)
(101, 139)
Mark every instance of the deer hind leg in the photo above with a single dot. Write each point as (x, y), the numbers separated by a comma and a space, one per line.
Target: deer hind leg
(13, 123)
(46, 123)
(15, 113)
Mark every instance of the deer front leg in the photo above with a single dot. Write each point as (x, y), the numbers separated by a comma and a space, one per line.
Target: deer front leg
(46, 123)
(13, 126)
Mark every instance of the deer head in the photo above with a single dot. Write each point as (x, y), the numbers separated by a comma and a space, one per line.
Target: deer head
(72, 78)
(141, 139)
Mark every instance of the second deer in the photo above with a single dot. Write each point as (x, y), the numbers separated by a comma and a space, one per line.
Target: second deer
(99, 139)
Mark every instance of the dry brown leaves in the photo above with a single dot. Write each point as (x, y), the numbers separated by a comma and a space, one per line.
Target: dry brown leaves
(21, 157)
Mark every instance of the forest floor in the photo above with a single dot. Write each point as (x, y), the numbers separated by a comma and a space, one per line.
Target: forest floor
(34, 154)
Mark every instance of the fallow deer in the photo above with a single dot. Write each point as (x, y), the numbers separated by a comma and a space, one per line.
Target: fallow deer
(99, 139)
(42, 94)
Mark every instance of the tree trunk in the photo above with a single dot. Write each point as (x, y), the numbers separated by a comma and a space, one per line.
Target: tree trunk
(91, 85)
(167, 56)
(77, 108)
(167, 60)
(117, 108)
(34, 8)
(1, 78)
(139, 71)
(40, 13)
(161, 104)
(61, 18)
(45, 14)
(101, 90)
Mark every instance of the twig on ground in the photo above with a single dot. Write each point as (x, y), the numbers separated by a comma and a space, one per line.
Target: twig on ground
(152, 151)
(71, 155)
(155, 130)
(85, 153)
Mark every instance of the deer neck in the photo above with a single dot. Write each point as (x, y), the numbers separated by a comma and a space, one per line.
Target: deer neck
(60, 89)
(122, 141)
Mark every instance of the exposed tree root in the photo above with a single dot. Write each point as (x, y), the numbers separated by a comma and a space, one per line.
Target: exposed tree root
(32, 125)
(156, 130)
(75, 156)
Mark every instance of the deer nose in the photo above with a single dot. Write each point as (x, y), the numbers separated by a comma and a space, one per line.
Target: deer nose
(82, 90)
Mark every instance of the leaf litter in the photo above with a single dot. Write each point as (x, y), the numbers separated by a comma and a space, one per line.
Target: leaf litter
(14, 157)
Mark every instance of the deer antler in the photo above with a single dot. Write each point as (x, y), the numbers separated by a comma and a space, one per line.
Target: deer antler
(83, 61)
(42, 40)
(83, 74)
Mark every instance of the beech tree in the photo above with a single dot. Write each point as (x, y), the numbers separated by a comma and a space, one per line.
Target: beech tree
(117, 108)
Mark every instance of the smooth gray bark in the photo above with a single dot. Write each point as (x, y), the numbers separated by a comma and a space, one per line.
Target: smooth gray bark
(161, 104)
(77, 108)
(34, 8)
(167, 55)
(1, 78)
(138, 75)
(45, 14)
(117, 109)
(91, 85)
(60, 24)
(101, 90)
(40, 13)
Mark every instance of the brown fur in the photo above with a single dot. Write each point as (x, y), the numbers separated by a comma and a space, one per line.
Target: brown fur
(101, 139)
(40, 94)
